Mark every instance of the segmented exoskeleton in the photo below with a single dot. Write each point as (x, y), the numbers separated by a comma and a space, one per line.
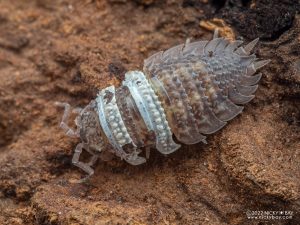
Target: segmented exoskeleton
(190, 90)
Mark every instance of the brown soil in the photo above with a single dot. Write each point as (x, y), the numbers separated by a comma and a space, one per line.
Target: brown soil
(66, 50)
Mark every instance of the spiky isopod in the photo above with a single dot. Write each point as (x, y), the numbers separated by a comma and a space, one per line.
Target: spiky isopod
(190, 90)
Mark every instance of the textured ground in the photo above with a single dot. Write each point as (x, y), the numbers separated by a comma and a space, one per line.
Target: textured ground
(66, 50)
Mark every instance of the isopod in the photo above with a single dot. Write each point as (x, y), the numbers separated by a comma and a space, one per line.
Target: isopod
(190, 90)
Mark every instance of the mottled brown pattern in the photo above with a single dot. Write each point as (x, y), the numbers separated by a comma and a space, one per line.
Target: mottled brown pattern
(90, 129)
(208, 77)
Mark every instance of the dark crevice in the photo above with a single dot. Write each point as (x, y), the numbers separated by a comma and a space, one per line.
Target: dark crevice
(267, 19)
(212, 208)
(60, 162)
(218, 4)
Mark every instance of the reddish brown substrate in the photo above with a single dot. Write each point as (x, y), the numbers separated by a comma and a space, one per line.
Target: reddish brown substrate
(66, 50)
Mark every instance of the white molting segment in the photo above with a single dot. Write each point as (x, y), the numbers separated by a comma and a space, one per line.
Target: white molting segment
(151, 110)
(102, 113)
(139, 102)
(114, 127)
(115, 120)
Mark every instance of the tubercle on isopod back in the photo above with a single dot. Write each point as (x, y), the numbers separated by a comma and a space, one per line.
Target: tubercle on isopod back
(190, 90)
(139, 116)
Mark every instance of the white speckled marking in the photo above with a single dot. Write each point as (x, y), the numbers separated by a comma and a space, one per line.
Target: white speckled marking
(151, 110)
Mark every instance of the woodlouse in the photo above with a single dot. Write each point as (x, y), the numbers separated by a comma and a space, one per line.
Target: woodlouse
(190, 90)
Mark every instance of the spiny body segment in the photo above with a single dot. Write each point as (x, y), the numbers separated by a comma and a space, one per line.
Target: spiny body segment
(190, 90)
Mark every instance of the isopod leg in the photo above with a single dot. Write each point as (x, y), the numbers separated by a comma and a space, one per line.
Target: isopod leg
(216, 34)
(148, 152)
(93, 158)
(84, 166)
(77, 110)
(63, 124)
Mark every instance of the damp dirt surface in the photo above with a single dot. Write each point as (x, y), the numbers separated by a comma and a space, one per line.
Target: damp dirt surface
(68, 50)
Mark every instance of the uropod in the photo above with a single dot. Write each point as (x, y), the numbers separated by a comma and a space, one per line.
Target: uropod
(190, 90)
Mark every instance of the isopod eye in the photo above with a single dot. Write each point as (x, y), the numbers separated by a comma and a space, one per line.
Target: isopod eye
(138, 83)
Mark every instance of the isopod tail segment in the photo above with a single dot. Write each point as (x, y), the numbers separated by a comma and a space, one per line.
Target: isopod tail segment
(204, 81)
